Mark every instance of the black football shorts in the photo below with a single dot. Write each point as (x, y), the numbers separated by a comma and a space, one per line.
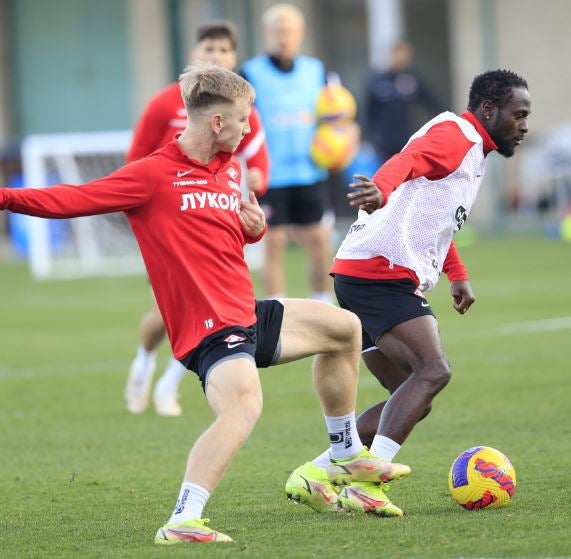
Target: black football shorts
(259, 342)
(380, 304)
(293, 205)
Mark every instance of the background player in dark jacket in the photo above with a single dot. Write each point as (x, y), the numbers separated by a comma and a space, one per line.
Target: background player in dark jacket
(392, 99)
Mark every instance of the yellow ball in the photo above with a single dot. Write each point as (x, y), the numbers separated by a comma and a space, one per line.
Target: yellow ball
(336, 103)
(482, 477)
(565, 229)
(334, 146)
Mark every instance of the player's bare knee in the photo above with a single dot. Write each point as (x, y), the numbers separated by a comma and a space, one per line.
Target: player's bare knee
(441, 374)
(436, 375)
(244, 413)
(351, 331)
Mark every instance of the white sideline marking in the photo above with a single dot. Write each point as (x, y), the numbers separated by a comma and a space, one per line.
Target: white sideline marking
(95, 368)
(510, 328)
(545, 325)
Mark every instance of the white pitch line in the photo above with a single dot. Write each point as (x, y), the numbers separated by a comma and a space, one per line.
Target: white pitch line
(94, 368)
(510, 328)
(545, 325)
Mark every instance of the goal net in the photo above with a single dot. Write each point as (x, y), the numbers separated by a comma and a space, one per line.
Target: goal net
(87, 246)
(100, 245)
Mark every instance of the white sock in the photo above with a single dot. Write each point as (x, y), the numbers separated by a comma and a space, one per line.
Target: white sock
(385, 448)
(343, 436)
(323, 296)
(323, 459)
(172, 377)
(144, 364)
(190, 504)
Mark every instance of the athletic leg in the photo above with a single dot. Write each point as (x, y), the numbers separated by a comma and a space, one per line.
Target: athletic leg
(141, 371)
(333, 336)
(165, 394)
(390, 376)
(235, 396)
(316, 241)
(414, 345)
(273, 278)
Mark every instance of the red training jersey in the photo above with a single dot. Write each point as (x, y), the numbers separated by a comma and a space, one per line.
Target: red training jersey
(185, 216)
(165, 117)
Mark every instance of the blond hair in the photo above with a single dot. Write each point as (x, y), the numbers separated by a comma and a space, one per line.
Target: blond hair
(279, 11)
(203, 85)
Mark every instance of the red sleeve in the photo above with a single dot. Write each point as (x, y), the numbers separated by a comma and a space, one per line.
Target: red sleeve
(150, 129)
(252, 240)
(453, 266)
(125, 189)
(434, 155)
(255, 150)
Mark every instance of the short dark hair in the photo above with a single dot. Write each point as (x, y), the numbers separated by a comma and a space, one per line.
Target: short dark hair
(218, 30)
(495, 86)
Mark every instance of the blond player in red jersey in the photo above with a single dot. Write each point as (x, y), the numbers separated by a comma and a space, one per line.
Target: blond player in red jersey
(191, 228)
(164, 118)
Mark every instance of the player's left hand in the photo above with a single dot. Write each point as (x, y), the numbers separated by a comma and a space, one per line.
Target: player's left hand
(366, 196)
(255, 179)
(462, 295)
(251, 216)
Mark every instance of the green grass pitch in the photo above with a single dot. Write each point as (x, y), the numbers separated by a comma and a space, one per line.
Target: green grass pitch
(79, 477)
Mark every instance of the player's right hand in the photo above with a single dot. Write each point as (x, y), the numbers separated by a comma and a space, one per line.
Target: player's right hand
(366, 196)
(462, 295)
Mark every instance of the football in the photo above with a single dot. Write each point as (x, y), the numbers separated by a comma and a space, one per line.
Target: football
(336, 103)
(482, 477)
(334, 146)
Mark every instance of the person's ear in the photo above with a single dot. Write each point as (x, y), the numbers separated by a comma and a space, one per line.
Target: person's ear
(489, 110)
(217, 123)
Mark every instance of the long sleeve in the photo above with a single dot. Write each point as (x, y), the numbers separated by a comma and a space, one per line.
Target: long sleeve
(453, 267)
(125, 189)
(150, 130)
(255, 150)
(434, 155)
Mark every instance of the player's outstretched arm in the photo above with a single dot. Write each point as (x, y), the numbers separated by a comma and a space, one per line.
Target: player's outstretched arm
(366, 195)
(120, 191)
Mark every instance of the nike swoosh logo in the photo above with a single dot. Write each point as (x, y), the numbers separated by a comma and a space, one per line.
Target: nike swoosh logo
(230, 346)
(179, 174)
(424, 304)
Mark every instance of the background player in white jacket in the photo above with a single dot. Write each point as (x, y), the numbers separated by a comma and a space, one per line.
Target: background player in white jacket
(396, 250)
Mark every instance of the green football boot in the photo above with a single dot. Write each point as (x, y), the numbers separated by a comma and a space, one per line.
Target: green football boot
(190, 531)
(310, 485)
(365, 467)
(368, 497)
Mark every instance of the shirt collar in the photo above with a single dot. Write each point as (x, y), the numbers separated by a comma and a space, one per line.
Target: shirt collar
(220, 160)
(488, 144)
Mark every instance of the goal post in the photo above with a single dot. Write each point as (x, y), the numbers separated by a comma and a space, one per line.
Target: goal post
(87, 246)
